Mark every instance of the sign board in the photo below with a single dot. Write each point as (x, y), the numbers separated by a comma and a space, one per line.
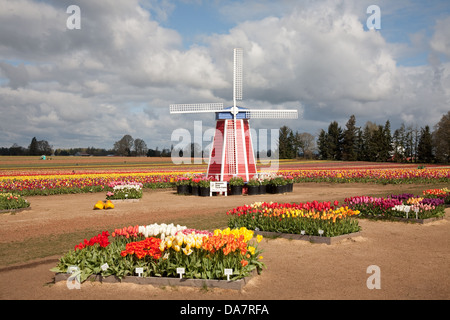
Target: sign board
(217, 186)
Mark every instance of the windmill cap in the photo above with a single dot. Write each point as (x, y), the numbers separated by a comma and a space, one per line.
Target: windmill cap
(227, 115)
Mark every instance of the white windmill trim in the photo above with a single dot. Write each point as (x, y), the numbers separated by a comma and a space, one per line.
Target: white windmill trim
(222, 165)
(245, 149)
(251, 143)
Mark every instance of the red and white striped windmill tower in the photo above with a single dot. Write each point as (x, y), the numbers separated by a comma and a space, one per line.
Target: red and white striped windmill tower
(232, 151)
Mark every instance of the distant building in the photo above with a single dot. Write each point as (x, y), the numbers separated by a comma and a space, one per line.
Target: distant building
(82, 154)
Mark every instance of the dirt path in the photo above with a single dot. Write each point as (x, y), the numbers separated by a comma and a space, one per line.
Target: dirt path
(413, 259)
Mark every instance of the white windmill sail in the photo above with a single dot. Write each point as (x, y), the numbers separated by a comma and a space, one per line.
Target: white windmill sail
(271, 114)
(237, 93)
(237, 74)
(196, 107)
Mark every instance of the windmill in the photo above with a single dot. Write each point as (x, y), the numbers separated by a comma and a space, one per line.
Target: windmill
(232, 151)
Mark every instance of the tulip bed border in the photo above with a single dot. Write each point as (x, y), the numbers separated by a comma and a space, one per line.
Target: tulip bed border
(167, 281)
(310, 238)
(125, 200)
(13, 211)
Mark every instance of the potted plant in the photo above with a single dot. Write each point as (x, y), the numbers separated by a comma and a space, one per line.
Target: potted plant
(263, 183)
(253, 186)
(203, 185)
(182, 184)
(278, 185)
(289, 183)
(194, 186)
(236, 184)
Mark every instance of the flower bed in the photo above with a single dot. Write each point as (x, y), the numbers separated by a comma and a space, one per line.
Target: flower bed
(310, 218)
(404, 206)
(124, 190)
(12, 202)
(161, 249)
(46, 184)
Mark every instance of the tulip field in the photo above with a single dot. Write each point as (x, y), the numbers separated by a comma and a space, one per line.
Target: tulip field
(25, 176)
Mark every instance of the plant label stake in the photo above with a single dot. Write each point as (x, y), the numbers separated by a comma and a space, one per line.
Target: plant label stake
(416, 210)
(180, 271)
(320, 232)
(228, 272)
(104, 266)
(139, 271)
(407, 210)
(72, 269)
(302, 232)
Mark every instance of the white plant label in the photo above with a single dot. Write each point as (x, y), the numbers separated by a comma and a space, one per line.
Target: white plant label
(139, 271)
(228, 273)
(180, 271)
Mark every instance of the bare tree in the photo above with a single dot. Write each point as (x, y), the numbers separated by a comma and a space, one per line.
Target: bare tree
(124, 145)
(306, 144)
(140, 147)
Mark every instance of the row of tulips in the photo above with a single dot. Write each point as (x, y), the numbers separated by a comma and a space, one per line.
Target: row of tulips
(373, 175)
(310, 218)
(404, 205)
(11, 201)
(161, 249)
(91, 182)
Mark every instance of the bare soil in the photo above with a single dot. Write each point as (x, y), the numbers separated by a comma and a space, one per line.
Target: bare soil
(413, 259)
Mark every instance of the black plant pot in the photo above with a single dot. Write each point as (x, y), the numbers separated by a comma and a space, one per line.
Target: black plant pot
(203, 191)
(194, 190)
(262, 189)
(183, 189)
(236, 190)
(252, 190)
(279, 189)
(290, 187)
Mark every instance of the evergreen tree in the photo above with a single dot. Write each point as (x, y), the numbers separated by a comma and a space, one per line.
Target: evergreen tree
(425, 146)
(285, 143)
(399, 143)
(370, 148)
(349, 142)
(386, 151)
(322, 145)
(33, 148)
(334, 141)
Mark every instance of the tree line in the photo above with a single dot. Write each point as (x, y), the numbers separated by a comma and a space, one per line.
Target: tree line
(126, 146)
(371, 142)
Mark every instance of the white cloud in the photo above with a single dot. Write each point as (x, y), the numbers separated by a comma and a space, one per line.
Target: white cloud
(441, 38)
(119, 73)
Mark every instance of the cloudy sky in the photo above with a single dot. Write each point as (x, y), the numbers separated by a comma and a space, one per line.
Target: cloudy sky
(131, 59)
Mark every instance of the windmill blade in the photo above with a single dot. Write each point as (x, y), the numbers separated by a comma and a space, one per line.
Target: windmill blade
(237, 74)
(271, 114)
(196, 107)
